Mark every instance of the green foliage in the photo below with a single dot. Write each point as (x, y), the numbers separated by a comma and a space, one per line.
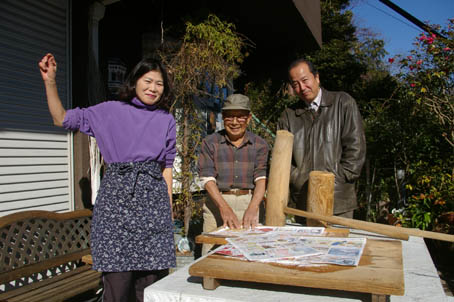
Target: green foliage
(220, 36)
(399, 134)
(257, 127)
(209, 52)
(431, 191)
(369, 50)
(392, 136)
(267, 105)
(337, 21)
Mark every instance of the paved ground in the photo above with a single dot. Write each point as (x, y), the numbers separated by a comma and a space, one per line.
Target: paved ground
(442, 256)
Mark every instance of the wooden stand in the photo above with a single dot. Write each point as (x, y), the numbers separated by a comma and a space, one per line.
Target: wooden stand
(320, 196)
(380, 272)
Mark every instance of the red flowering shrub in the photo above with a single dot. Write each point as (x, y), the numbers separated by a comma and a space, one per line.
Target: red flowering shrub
(427, 78)
(429, 72)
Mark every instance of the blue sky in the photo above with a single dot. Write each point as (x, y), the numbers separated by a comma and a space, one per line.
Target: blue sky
(397, 32)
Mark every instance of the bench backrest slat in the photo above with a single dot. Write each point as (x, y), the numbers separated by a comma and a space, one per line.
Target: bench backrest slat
(33, 240)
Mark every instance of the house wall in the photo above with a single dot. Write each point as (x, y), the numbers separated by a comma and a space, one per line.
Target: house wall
(35, 165)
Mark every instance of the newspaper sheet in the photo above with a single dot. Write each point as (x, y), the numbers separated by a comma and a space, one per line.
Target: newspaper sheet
(272, 246)
(226, 232)
(288, 246)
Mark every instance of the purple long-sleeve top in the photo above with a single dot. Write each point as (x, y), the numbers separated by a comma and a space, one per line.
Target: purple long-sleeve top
(127, 132)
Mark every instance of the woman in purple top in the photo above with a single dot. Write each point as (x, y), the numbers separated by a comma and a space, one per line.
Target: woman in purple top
(132, 230)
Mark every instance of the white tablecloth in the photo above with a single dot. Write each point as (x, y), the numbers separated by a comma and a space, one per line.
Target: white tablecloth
(421, 284)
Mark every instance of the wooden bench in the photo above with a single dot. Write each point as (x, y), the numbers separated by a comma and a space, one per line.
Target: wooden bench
(40, 256)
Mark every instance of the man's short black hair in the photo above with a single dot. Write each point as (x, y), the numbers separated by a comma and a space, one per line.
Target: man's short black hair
(311, 66)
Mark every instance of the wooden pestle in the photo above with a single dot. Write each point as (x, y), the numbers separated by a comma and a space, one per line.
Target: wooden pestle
(278, 182)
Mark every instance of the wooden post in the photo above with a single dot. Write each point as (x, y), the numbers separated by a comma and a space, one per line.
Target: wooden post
(279, 178)
(320, 195)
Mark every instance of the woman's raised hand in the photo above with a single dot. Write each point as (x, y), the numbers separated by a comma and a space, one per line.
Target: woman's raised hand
(48, 68)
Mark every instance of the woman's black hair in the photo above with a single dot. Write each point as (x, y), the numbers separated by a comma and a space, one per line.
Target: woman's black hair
(297, 62)
(128, 90)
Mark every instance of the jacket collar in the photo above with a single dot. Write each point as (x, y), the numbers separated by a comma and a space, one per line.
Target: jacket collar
(326, 101)
(327, 98)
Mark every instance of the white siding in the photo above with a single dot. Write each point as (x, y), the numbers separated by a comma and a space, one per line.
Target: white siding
(35, 156)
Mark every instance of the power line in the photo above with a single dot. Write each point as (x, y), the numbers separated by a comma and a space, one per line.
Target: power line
(401, 21)
(411, 18)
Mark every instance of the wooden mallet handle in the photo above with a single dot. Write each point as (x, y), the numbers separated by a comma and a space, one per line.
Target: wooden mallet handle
(384, 229)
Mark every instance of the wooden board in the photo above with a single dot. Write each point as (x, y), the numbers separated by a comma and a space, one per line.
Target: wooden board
(329, 232)
(379, 272)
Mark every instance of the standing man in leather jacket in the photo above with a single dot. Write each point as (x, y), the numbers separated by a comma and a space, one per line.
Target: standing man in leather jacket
(328, 136)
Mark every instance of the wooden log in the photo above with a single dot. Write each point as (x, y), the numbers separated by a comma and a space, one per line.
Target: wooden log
(320, 195)
(279, 179)
(384, 229)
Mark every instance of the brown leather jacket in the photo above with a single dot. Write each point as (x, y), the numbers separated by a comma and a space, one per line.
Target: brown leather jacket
(331, 139)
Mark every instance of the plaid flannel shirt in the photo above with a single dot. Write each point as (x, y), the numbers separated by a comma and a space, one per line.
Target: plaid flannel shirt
(233, 167)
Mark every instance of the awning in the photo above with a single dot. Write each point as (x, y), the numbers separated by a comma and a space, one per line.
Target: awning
(310, 11)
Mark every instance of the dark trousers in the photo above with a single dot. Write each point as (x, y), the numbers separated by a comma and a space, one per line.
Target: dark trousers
(129, 286)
